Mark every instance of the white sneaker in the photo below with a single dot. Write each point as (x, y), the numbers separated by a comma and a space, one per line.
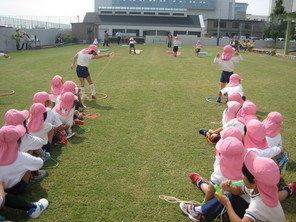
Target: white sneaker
(84, 96)
(41, 205)
(188, 209)
(41, 174)
(46, 157)
(69, 135)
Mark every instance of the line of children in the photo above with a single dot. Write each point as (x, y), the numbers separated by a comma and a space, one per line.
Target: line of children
(27, 133)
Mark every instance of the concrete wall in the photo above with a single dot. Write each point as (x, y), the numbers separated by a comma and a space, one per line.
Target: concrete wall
(191, 40)
(45, 37)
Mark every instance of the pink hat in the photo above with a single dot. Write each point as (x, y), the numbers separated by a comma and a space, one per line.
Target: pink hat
(255, 135)
(9, 136)
(273, 123)
(232, 109)
(198, 42)
(267, 175)
(36, 119)
(131, 38)
(231, 158)
(15, 117)
(228, 132)
(56, 85)
(247, 118)
(67, 103)
(234, 80)
(227, 52)
(176, 38)
(236, 96)
(42, 97)
(248, 108)
(90, 49)
(69, 86)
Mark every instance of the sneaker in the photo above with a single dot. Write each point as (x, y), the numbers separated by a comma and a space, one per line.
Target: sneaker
(203, 132)
(188, 209)
(84, 96)
(291, 187)
(38, 175)
(69, 135)
(46, 157)
(218, 100)
(78, 121)
(81, 108)
(93, 97)
(41, 205)
(196, 178)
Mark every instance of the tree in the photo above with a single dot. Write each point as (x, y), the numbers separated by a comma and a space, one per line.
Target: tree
(276, 26)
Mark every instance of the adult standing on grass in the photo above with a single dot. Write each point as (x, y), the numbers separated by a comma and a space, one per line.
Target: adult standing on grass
(17, 38)
(83, 58)
(106, 39)
(170, 39)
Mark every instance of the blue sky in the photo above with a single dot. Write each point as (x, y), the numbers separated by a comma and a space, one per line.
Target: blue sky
(76, 8)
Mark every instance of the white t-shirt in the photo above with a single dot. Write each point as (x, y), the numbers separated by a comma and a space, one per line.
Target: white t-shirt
(53, 118)
(43, 133)
(30, 142)
(232, 89)
(13, 173)
(177, 43)
(228, 65)
(66, 119)
(274, 141)
(83, 59)
(258, 211)
(234, 122)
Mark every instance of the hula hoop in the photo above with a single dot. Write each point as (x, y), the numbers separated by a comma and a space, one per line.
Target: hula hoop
(104, 96)
(81, 130)
(54, 166)
(9, 92)
(214, 102)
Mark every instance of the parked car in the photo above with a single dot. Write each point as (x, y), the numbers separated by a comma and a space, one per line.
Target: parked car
(268, 39)
(253, 38)
(281, 39)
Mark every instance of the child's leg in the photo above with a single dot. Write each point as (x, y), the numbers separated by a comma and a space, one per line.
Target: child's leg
(14, 201)
(82, 87)
(222, 85)
(134, 50)
(92, 86)
(209, 194)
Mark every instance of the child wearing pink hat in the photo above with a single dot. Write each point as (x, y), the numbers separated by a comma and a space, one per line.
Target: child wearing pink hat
(273, 123)
(15, 170)
(132, 43)
(197, 47)
(177, 44)
(83, 58)
(28, 142)
(227, 62)
(56, 88)
(255, 135)
(37, 126)
(236, 96)
(234, 85)
(257, 200)
(65, 111)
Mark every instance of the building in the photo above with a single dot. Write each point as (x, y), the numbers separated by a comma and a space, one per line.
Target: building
(240, 10)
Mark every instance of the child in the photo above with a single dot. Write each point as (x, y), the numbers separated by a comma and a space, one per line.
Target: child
(177, 44)
(28, 142)
(132, 43)
(37, 125)
(255, 135)
(4, 55)
(236, 96)
(273, 123)
(56, 88)
(233, 86)
(197, 47)
(227, 63)
(83, 58)
(65, 110)
(260, 176)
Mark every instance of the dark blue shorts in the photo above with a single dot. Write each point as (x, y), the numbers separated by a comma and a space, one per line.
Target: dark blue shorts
(46, 147)
(19, 188)
(82, 71)
(175, 49)
(225, 76)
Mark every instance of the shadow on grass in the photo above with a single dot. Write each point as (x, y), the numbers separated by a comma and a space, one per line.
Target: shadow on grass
(95, 105)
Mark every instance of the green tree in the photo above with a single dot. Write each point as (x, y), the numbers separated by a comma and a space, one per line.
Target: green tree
(276, 27)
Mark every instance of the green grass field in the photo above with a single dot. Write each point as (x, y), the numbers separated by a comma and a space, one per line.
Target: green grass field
(145, 142)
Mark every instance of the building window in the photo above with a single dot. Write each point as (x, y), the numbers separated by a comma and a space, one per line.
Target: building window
(235, 25)
(149, 13)
(179, 33)
(135, 13)
(178, 14)
(247, 25)
(194, 33)
(222, 24)
(120, 12)
(149, 32)
(106, 12)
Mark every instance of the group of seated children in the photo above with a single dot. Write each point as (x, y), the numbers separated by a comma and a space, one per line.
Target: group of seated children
(245, 166)
(245, 45)
(26, 140)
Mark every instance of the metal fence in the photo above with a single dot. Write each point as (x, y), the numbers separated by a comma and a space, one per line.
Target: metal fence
(38, 22)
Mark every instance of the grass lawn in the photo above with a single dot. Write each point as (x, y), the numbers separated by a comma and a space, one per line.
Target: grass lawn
(145, 142)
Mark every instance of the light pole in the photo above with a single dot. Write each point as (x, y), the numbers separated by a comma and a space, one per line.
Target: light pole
(78, 18)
